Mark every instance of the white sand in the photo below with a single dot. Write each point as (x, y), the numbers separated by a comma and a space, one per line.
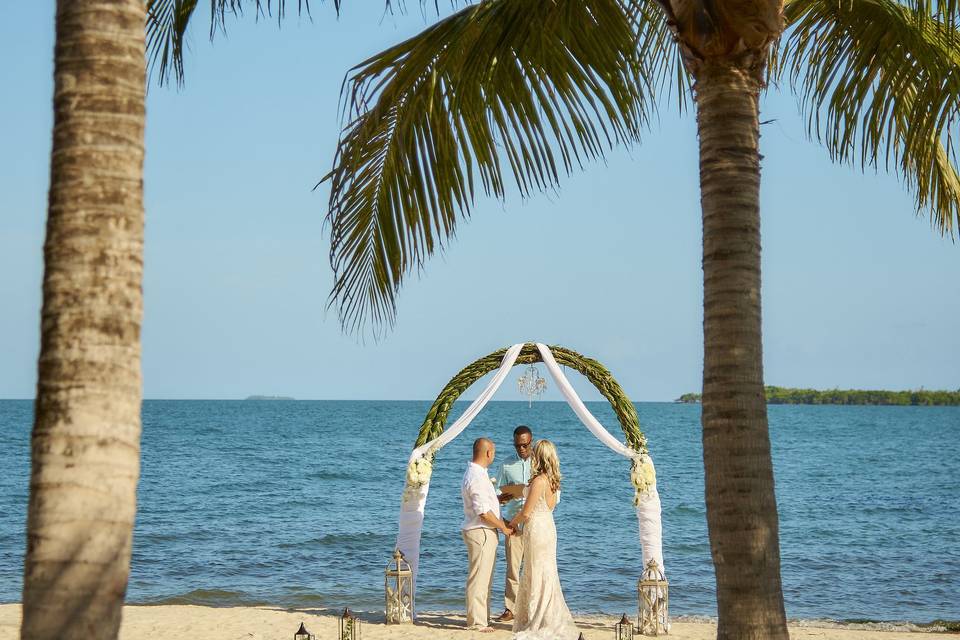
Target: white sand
(183, 622)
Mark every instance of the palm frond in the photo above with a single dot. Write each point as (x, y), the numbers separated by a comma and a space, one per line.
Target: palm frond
(946, 12)
(220, 9)
(658, 52)
(533, 88)
(880, 85)
(168, 20)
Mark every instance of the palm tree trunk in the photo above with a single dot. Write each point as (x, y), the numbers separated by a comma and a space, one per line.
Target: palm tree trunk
(86, 434)
(741, 505)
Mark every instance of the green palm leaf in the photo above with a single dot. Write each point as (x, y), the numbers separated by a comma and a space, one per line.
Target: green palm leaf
(167, 22)
(944, 11)
(880, 84)
(657, 51)
(533, 88)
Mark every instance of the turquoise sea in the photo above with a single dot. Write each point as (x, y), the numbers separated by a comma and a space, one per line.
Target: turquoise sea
(294, 504)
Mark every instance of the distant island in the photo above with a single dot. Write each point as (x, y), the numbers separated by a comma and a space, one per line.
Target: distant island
(784, 395)
(268, 398)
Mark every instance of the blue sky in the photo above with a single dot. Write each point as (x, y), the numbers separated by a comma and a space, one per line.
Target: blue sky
(858, 292)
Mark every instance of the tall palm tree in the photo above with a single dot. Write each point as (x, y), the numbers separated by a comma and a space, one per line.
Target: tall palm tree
(534, 87)
(86, 434)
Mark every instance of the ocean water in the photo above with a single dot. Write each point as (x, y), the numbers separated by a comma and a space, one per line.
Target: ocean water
(294, 504)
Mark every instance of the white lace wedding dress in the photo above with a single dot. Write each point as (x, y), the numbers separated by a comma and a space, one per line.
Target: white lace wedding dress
(541, 612)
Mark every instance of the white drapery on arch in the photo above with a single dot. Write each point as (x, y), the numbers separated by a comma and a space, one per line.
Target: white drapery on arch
(412, 507)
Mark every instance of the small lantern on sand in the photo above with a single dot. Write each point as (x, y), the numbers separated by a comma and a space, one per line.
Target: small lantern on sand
(653, 598)
(398, 587)
(349, 626)
(623, 630)
(302, 634)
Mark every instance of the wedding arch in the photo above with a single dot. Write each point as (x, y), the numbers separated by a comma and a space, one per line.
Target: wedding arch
(433, 437)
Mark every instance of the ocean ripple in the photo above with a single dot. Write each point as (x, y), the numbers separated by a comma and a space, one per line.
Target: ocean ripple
(265, 503)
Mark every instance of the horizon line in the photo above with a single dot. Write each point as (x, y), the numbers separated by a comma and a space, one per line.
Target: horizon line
(290, 399)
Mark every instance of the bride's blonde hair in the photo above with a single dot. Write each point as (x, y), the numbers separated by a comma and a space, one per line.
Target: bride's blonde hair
(545, 462)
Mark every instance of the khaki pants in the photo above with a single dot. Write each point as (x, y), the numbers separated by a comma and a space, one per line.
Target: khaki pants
(481, 554)
(514, 546)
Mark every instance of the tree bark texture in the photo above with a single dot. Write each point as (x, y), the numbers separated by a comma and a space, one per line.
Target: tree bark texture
(741, 505)
(86, 434)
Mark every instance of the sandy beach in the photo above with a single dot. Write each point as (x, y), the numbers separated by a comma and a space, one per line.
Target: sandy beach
(184, 622)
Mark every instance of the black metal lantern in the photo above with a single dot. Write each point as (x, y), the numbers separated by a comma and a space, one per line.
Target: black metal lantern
(349, 626)
(623, 630)
(302, 634)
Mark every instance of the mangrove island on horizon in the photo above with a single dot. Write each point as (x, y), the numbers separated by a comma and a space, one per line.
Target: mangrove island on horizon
(785, 395)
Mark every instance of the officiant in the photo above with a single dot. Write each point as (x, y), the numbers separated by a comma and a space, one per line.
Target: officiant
(512, 476)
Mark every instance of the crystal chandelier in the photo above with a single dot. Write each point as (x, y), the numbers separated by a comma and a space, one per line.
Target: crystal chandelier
(531, 384)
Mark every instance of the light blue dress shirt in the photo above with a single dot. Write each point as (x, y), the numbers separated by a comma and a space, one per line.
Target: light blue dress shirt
(514, 471)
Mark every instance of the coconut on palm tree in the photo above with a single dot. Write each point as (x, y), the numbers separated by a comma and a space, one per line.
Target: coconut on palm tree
(527, 90)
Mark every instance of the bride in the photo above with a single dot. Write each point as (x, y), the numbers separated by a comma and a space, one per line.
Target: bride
(541, 612)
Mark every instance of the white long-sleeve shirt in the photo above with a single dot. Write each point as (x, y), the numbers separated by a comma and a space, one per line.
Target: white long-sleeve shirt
(479, 497)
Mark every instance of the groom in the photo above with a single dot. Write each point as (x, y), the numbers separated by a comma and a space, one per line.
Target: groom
(481, 511)
(512, 477)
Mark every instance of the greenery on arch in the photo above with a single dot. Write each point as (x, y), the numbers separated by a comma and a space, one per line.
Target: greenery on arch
(594, 371)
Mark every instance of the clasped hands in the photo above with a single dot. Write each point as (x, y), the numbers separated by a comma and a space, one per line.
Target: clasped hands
(511, 492)
(512, 528)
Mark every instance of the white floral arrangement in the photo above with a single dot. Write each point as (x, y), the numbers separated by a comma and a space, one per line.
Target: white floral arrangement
(418, 474)
(643, 476)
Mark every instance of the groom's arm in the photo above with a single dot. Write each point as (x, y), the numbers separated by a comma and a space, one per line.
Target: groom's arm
(482, 505)
(495, 522)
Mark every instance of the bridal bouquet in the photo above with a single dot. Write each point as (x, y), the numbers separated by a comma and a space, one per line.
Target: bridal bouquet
(643, 476)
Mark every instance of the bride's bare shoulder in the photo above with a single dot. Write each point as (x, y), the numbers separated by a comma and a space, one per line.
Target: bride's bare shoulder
(539, 481)
(540, 486)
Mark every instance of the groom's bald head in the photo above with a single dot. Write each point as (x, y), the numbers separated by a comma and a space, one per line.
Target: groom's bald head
(483, 451)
